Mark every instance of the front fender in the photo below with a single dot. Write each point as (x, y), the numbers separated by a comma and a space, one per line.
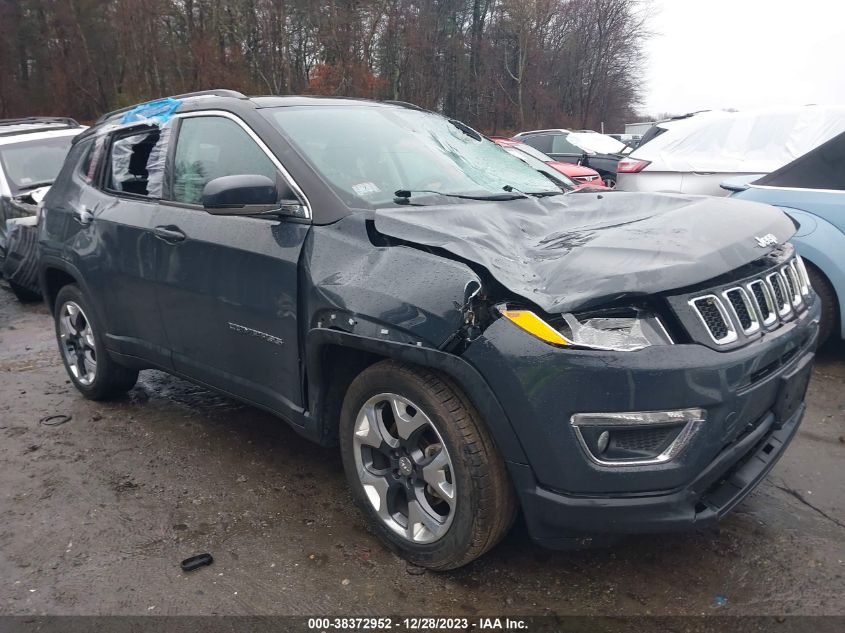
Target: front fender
(352, 282)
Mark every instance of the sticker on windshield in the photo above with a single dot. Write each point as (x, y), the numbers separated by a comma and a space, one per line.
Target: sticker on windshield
(365, 188)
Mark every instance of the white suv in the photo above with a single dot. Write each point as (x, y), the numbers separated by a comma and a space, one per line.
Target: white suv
(32, 151)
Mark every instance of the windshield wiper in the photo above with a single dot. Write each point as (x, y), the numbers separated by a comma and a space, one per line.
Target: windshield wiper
(535, 194)
(546, 194)
(403, 195)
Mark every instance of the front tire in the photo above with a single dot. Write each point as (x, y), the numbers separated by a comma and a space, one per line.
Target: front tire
(423, 467)
(91, 369)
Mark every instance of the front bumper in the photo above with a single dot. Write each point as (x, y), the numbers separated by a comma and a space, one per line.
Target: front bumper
(564, 494)
(559, 521)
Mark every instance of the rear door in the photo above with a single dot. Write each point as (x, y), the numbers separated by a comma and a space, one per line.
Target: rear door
(227, 285)
(115, 246)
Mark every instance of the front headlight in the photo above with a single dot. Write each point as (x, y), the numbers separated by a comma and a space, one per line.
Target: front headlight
(625, 330)
(621, 331)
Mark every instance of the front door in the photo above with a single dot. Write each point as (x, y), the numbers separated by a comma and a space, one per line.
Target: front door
(227, 285)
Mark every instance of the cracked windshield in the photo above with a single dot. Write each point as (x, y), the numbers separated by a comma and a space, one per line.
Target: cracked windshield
(377, 157)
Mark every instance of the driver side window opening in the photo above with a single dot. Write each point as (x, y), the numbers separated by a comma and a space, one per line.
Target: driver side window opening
(209, 147)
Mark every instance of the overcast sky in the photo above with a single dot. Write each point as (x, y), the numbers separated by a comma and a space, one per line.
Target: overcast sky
(713, 54)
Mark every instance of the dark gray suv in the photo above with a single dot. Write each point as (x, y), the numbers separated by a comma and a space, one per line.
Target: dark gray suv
(475, 338)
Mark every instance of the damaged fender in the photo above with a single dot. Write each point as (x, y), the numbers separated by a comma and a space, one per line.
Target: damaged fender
(378, 300)
(391, 293)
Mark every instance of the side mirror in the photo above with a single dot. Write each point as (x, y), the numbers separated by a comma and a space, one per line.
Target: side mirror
(245, 194)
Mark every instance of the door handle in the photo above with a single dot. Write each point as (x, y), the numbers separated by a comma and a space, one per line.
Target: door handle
(169, 233)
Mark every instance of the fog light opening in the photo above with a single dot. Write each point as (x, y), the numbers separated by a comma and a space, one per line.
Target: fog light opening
(636, 438)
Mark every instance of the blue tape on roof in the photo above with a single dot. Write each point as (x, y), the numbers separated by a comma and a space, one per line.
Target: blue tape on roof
(159, 111)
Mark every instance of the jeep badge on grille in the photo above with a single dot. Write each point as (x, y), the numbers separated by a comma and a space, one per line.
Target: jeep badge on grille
(766, 240)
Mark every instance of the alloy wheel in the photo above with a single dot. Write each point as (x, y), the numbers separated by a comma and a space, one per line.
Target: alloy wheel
(76, 339)
(404, 467)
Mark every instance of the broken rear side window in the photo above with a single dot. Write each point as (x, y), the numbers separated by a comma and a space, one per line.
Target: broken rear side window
(136, 163)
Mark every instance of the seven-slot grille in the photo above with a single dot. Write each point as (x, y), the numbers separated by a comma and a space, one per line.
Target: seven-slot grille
(754, 304)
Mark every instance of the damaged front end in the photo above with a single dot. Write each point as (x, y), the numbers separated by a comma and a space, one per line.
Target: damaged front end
(638, 344)
(584, 272)
(19, 242)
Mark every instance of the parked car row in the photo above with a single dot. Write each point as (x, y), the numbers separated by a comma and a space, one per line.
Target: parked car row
(582, 147)
(581, 176)
(478, 331)
(694, 154)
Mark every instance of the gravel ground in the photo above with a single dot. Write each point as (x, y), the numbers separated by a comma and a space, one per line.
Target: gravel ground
(96, 513)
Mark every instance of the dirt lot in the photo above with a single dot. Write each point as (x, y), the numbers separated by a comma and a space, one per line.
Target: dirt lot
(95, 515)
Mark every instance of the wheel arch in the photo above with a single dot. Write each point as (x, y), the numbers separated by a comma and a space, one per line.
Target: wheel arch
(839, 324)
(334, 358)
(54, 274)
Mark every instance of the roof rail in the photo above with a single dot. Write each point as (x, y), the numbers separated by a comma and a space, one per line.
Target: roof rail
(61, 122)
(217, 92)
(56, 123)
(406, 104)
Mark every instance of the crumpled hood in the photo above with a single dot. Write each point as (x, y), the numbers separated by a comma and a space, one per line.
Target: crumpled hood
(571, 252)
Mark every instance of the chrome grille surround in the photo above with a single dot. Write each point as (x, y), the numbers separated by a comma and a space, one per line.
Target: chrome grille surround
(735, 313)
(803, 276)
(739, 294)
(713, 301)
(793, 283)
(768, 316)
(778, 287)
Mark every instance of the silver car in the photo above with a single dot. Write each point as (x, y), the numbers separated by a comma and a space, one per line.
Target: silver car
(694, 154)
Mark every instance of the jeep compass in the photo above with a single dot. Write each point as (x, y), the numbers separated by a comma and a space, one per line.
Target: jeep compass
(476, 339)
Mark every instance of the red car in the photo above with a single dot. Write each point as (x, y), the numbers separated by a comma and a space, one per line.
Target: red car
(581, 175)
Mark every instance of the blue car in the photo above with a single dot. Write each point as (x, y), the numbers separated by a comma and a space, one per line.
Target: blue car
(811, 190)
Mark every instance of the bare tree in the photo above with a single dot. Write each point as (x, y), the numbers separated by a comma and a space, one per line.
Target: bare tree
(500, 65)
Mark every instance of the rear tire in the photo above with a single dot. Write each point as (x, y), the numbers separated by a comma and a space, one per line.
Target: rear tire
(93, 372)
(435, 453)
(830, 304)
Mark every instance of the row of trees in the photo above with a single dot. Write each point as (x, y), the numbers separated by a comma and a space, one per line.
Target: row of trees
(497, 64)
